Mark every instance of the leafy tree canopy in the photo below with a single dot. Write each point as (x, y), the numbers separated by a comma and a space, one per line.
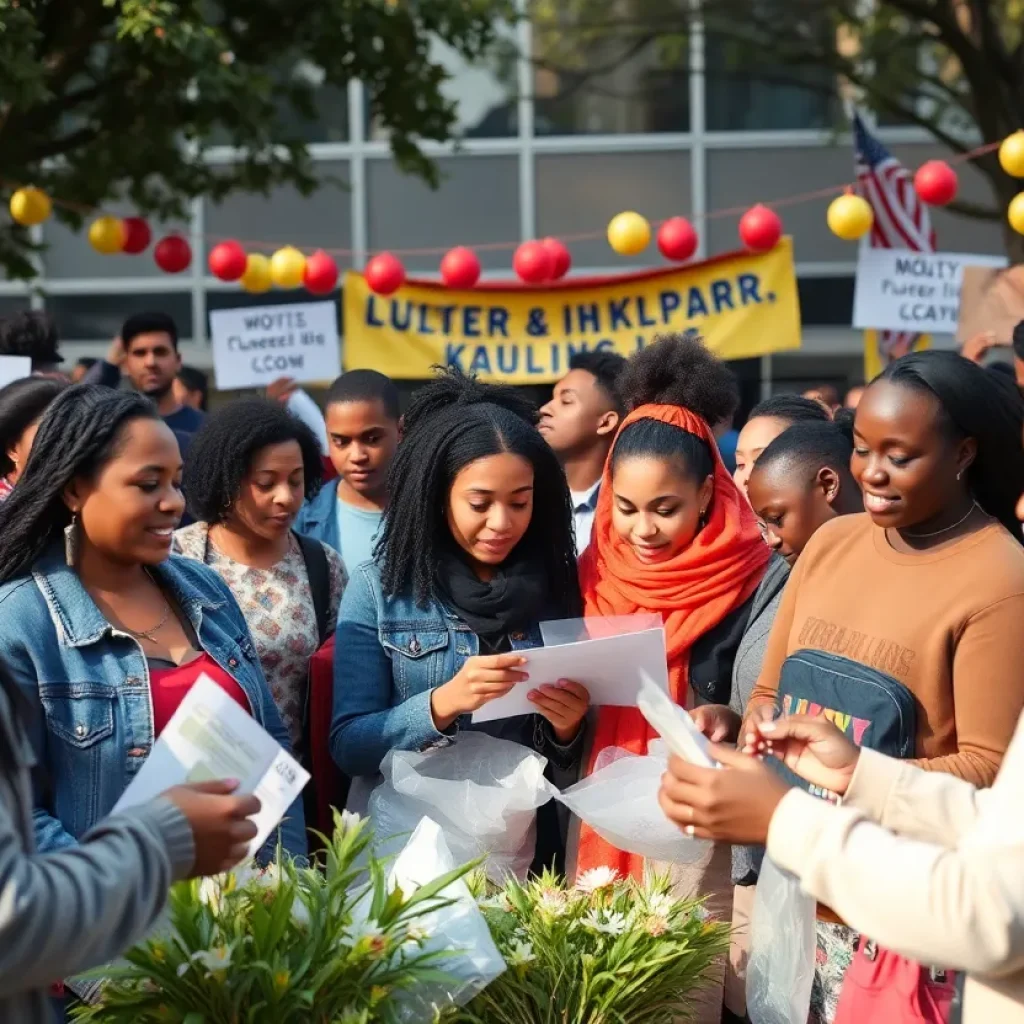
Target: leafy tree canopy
(116, 99)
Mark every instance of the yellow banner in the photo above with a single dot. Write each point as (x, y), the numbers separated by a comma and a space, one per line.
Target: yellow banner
(875, 360)
(744, 305)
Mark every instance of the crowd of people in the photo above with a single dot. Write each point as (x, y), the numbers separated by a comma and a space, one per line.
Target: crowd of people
(839, 589)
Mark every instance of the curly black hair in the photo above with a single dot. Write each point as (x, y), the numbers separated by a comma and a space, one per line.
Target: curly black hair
(30, 333)
(222, 452)
(791, 409)
(80, 433)
(676, 370)
(453, 421)
(22, 403)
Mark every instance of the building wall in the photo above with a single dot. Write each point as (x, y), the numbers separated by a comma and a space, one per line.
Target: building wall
(544, 153)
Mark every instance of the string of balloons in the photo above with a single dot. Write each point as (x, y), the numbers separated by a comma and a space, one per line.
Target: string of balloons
(535, 262)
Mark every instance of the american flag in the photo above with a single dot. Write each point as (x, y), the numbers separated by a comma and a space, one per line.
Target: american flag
(901, 219)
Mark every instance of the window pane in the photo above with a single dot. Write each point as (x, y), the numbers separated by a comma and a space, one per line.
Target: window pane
(11, 304)
(826, 301)
(99, 317)
(69, 253)
(477, 203)
(596, 75)
(580, 193)
(742, 177)
(322, 220)
(485, 94)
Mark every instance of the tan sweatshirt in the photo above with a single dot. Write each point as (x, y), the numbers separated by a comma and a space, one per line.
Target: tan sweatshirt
(925, 864)
(948, 623)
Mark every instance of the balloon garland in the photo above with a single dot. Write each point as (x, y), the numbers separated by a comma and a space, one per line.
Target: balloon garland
(536, 262)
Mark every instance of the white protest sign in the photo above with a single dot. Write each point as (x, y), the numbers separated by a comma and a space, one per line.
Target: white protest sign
(256, 345)
(900, 290)
(14, 368)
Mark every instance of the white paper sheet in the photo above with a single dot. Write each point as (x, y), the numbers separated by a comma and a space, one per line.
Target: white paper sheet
(211, 737)
(611, 668)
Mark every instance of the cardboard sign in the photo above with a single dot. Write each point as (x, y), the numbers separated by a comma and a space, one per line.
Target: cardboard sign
(917, 292)
(256, 345)
(14, 368)
(991, 301)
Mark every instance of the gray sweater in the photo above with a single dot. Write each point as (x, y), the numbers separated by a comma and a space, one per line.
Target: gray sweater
(746, 860)
(68, 911)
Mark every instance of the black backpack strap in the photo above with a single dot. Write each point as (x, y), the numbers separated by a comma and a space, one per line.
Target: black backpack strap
(319, 574)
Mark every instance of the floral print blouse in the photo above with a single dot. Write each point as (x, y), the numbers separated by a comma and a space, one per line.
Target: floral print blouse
(278, 605)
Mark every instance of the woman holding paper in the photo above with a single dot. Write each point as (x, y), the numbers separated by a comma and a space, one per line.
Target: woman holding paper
(103, 632)
(674, 536)
(466, 571)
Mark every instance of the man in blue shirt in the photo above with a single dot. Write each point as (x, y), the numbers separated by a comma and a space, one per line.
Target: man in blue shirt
(580, 423)
(362, 418)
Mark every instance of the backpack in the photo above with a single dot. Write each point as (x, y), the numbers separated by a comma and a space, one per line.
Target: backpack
(870, 707)
(319, 573)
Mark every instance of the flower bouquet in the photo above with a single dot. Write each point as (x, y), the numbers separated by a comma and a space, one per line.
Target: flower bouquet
(607, 951)
(333, 944)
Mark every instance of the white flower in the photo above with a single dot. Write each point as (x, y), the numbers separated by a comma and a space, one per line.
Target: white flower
(597, 878)
(607, 922)
(350, 820)
(210, 892)
(369, 930)
(520, 954)
(214, 960)
(499, 901)
(300, 913)
(553, 901)
(660, 904)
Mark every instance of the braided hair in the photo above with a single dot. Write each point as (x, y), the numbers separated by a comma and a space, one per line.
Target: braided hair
(676, 370)
(976, 404)
(80, 433)
(453, 421)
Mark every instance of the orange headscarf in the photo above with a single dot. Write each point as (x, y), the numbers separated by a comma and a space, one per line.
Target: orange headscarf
(693, 592)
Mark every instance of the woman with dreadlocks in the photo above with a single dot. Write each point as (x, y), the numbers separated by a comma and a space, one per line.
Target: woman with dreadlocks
(475, 551)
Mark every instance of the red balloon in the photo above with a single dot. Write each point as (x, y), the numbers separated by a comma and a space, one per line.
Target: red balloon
(760, 229)
(460, 268)
(935, 183)
(321, 273)
(137, 235)
(561, 258)
(227, 261)
(172, 254)
(385, 274)
(677, 240)
(533, 263)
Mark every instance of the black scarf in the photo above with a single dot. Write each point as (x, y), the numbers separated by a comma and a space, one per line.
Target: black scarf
(514, 598)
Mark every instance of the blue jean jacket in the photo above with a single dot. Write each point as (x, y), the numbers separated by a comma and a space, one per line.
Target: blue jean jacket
(318, 517)
(389, 655)
(89, 685)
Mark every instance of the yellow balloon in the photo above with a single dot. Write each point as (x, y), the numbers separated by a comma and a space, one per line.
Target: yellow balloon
(1015, 213)
(287, 266)
(30, 206)
(850, 217)
(106, 235)
(257, 277)
(1011, 154)
(629, 233)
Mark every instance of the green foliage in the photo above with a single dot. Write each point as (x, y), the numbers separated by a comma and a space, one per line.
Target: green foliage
(605, 952)
(116, 99)
(290, 944)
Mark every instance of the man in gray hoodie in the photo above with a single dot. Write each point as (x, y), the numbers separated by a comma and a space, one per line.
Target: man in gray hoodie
(64, 912)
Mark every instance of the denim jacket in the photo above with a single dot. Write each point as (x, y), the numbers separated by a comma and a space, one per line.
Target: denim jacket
(89, 684)
(389, 655)
(318, 517)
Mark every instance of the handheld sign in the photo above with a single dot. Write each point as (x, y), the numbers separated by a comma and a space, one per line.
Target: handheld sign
(256, 345)
(674, 726)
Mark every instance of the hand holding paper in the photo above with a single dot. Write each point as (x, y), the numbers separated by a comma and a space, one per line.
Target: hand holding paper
(211, 738)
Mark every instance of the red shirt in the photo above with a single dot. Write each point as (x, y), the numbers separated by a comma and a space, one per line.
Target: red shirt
(168, 687)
